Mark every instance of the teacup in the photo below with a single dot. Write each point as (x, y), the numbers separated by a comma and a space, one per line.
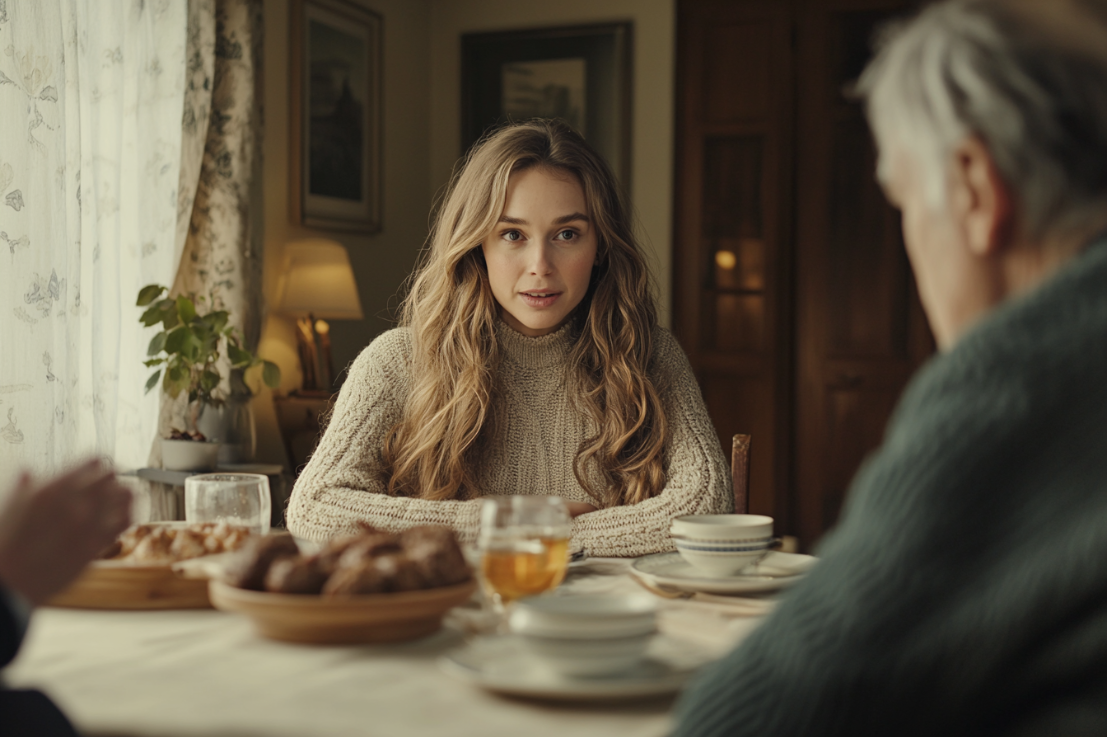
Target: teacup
(723, 544)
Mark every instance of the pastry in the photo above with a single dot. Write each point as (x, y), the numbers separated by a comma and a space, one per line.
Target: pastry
(296, 576)
(434, 551)
(250, 566)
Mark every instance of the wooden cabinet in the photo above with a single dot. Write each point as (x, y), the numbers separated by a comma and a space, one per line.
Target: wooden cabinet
(792, 293)
(300, 418)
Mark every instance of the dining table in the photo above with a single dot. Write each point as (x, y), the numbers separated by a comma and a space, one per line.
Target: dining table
(181, 673)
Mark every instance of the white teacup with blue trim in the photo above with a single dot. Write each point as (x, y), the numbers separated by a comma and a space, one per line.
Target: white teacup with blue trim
(723, 544)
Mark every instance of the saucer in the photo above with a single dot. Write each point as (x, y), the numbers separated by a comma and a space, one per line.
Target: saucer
(501, 664)
(775, 571)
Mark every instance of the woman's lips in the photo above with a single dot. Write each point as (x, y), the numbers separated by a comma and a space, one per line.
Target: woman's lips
(532, 300)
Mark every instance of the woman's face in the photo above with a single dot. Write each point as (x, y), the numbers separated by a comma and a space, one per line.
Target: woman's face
(540, 253)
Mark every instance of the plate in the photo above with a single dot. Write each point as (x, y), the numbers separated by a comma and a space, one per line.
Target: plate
(114, 584)
(775, 571)
(501, 664)
(343, 620)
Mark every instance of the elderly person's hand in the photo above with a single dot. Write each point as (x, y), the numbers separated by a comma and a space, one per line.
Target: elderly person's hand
(49, 531)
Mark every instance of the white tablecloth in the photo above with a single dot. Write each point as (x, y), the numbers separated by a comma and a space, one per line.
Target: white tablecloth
(205, 672)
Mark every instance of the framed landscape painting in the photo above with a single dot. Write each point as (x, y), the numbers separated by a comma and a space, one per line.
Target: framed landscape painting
(581, 75)
(335, 122)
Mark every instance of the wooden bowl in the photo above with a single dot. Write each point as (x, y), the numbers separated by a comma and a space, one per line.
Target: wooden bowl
(343, 620)
(110, 584)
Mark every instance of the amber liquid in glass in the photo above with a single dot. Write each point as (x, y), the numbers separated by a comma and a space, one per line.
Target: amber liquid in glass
(515, 569)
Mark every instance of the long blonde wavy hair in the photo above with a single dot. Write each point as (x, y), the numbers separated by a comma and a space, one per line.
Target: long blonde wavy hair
(451, 313)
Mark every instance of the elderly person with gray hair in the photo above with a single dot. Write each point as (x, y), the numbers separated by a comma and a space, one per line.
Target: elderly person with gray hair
(965, 588)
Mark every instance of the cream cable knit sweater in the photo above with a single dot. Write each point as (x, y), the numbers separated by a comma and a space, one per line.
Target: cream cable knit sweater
(537, 436)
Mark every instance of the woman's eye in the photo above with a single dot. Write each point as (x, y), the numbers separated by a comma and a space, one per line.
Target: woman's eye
(567, 235)
(512, 235)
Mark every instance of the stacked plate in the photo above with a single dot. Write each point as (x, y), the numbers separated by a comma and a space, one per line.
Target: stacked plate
(586, 635)
(723, 544)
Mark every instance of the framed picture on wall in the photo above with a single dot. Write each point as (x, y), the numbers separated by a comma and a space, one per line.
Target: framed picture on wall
(335, 121)
(580, 74)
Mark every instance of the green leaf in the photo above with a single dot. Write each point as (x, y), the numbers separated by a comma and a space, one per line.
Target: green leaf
(176, 380)
(175, 339)
(151, 316)
(152, 381)
(209, 380)
(217, 320)
(148, 294)
(153, 362)
(157, 344)
(271, 374)
(185, 309)
(239, 357)
(190, 347)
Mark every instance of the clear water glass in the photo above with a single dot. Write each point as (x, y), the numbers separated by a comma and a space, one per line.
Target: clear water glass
(235, 498)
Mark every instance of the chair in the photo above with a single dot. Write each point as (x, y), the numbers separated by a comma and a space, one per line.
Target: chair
(740, 473)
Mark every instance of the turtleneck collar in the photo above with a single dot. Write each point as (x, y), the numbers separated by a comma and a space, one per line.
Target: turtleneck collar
(540, 352)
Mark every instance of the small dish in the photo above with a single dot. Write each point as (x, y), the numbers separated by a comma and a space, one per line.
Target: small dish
(588, 658)
(775, 571)
(722, 527)
(503, 665)
(584, 617)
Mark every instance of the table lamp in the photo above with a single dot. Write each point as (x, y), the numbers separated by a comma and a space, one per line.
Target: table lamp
(318, 286)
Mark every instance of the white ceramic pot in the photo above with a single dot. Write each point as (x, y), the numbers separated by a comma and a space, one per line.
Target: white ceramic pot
(232, 426)
(188, 455)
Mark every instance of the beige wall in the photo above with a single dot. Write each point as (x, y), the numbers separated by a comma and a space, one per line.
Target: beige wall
(422, 104)
(381, 262)
(651, 120)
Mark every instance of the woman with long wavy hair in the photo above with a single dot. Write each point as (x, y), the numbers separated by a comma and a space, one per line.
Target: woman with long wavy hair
(529, 361)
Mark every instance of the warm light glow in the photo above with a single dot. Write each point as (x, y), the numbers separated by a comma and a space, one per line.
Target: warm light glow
(725, 260)
(322, 327)
(319, 281)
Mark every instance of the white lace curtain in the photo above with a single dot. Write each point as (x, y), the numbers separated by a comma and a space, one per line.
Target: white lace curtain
(95, 203)
(91, 95)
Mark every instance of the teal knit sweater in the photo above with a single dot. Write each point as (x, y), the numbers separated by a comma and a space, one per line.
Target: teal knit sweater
(965, 588)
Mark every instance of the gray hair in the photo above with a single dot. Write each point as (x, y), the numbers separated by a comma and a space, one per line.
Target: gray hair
(1028, 77)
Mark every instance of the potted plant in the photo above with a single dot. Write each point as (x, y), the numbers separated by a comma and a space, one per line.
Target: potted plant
(187, 354)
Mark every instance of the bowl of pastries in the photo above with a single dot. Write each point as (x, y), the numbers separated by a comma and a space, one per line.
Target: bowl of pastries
(371, 587)
(136, 571)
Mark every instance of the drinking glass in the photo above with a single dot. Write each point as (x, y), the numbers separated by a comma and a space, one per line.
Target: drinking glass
(524, 546)
(235, 498)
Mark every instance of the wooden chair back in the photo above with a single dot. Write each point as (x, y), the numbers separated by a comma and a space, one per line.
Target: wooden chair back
(740, 473)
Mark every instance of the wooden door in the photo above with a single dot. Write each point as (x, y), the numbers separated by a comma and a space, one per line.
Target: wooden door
(807, 340)
(860, 330)
(732, 272)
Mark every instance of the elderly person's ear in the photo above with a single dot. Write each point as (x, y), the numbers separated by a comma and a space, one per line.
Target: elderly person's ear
(980, 199)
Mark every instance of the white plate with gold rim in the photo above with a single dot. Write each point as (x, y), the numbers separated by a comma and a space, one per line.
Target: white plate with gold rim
(775, 571)
(501, 664)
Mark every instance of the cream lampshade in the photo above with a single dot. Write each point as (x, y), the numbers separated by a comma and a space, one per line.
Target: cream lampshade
(318, 285)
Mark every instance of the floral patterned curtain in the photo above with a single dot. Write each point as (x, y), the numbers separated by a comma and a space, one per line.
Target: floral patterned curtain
(221, 160)
(91, 97)
(129, 155)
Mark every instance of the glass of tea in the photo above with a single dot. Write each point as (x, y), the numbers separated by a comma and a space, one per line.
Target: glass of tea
(524, 546)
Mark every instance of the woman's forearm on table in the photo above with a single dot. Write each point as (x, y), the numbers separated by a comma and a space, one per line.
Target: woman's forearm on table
(698, 480)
